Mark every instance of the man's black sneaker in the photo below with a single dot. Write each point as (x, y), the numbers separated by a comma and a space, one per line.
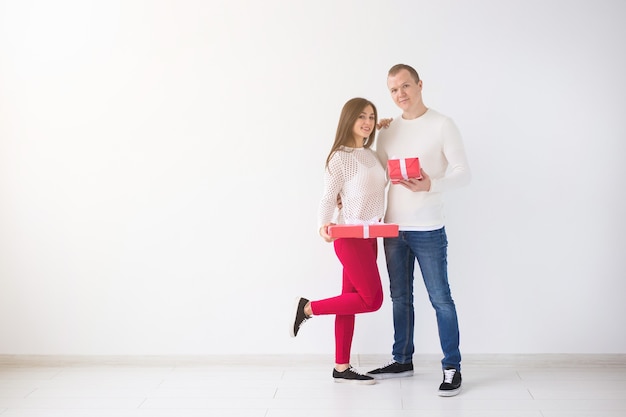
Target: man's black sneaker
(393, 370)
(353, 377)
(298, 316)
(451, 384)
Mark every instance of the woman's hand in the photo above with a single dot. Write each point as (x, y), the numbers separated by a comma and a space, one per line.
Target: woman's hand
(383, 123)
(324, 232)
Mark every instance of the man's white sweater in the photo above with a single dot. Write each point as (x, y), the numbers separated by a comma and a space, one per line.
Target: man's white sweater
(436, 141)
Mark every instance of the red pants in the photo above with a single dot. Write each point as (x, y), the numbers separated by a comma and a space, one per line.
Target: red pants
(361, 291)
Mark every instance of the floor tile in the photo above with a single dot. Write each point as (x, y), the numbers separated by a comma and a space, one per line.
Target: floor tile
(287, 386)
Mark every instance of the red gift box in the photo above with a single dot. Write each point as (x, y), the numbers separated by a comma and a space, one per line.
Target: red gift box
(363, 231)
(403, 169)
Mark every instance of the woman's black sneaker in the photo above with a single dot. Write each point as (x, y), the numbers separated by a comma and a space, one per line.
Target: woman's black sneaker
(298, 316)
(353, 377)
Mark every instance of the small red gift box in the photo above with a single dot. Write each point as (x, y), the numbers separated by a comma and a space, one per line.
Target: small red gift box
(403, 169)
(363, 231)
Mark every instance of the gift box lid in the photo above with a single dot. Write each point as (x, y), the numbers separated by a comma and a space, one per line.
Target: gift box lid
(364, 231)
(404, 168)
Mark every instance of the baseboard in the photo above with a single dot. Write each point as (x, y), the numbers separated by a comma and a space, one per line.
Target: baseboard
(426, 360)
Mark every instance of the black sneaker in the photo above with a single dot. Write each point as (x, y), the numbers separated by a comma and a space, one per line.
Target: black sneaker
(451, 384)
(353, 377)
(393, 370)
(299, 316)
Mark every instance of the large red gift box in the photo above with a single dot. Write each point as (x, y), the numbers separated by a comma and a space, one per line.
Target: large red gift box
(363, 231)
(403, 169)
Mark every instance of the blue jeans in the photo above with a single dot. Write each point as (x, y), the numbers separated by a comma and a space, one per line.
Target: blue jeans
(430, 250)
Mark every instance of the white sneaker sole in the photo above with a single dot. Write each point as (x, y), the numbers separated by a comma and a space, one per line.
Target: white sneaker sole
(449, 393)
(293, 316)
(391, 375)
(355, 381)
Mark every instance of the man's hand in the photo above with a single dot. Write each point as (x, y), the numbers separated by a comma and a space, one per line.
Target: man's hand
(324, 232)
(383, 123)
(415, 185)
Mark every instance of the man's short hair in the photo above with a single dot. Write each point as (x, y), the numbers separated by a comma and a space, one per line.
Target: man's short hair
(399, 67)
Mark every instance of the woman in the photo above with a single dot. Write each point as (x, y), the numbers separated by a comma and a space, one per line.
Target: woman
(354, 175)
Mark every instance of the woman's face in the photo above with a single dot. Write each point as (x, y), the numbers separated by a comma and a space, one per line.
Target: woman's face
(364, 126)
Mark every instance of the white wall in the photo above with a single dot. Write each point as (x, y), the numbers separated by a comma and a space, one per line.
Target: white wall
(161, 164)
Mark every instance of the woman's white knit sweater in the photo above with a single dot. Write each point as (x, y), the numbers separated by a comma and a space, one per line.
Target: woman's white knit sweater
(358, 177)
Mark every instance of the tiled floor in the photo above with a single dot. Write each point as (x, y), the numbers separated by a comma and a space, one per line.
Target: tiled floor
(493, 386)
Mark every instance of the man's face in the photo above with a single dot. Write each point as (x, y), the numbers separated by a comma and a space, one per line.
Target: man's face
(405, 92)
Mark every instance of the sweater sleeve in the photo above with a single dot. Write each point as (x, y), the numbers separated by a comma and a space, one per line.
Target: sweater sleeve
(333, 183)
(458, 172)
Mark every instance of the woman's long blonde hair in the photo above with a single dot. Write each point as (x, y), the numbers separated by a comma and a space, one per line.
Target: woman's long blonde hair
(349, 115)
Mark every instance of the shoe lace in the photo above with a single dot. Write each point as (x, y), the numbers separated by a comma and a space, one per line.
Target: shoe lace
(304, 320)
(354, 371)
(448, 375)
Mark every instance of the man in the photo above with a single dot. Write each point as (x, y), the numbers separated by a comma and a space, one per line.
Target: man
(417, 206)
